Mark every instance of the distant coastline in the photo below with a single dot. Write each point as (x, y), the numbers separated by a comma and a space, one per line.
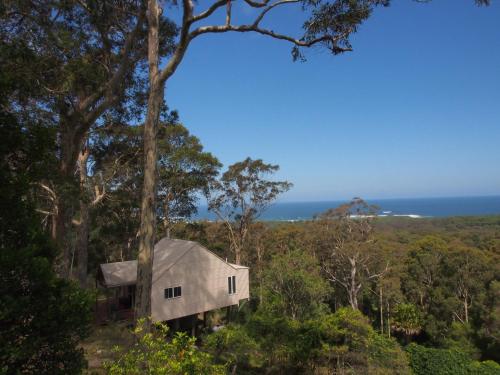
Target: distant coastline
(407, 207)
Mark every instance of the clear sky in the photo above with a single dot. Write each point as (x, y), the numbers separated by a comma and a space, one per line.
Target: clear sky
(413, 111)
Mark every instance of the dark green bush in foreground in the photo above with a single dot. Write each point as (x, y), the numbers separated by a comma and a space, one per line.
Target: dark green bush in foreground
(426, 361)
(42, 318)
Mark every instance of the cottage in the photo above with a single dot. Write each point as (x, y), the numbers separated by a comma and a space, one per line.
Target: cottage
(188, 279)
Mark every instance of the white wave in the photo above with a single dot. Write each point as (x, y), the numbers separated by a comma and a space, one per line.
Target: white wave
(413, 216)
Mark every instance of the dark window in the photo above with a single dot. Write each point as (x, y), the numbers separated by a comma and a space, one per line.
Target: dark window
(231, 284)
(173, 292)
(168, 293)
(177, 291)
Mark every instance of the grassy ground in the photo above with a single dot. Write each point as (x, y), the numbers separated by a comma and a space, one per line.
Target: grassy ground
(99, 346)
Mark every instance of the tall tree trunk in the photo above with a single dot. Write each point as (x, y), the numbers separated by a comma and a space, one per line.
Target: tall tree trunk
(82, 238)
(388, 319)
(466, 306)
(237, 255)
(259, 270)
(381, 304)
(353, 288)
(64, 215)
(82, 244)
(148, 205)
(70, 144)
(166, 220)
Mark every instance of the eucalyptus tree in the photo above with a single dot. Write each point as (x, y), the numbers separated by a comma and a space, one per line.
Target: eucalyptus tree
(185, 170)
(185, 174)
(348, 255)
(241, 195)
(83, 60)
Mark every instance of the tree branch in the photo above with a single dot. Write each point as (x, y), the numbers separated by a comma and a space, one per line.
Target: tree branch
(274, 5)
(99, 194)
(256, 4)
(109, 88)
(173, 63)
(253, 28)
(209, 11)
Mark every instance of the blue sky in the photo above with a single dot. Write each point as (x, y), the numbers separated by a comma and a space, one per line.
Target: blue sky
(413, 111)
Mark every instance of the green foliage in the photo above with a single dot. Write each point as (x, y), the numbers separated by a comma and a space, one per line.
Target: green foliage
(407, 319)
(285, 344)
(154, 353)
(346, 248)
(448, 282)
(344, 342)
(232, 345)
(484, 368)
(490, 321)
(351, 344)
(437, 361)
(42, 317)
(184, 171)
(294, 287)
(425, 361)
(241, 194)
(293, 332)
(386, 355)
(461, 337)
(243, 190)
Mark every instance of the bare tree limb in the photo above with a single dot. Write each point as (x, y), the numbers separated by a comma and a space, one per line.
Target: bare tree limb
(184, 40)
(209, 11)
(256, 4)
(270, 7)
(47, 213)
(252, 28)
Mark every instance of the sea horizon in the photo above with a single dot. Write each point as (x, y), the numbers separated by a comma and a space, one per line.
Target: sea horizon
(419, 207)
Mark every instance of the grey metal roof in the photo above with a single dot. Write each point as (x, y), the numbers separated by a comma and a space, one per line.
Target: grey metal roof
(166, 253)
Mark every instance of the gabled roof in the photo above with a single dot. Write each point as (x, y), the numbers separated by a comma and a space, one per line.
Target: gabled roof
(119, 273)
(167, 252)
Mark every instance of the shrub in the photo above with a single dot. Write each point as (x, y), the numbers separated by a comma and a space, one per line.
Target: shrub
(42, 317)
(153, 353)
(424, 361)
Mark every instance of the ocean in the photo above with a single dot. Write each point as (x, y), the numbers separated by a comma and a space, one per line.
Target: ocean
(410, 207)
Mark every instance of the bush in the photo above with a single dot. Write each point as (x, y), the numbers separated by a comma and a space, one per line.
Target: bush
(354, 345)
(484, 368)
(42, 318)
(342, 342)
(153, 353)
(424, 361)
(233, 346)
